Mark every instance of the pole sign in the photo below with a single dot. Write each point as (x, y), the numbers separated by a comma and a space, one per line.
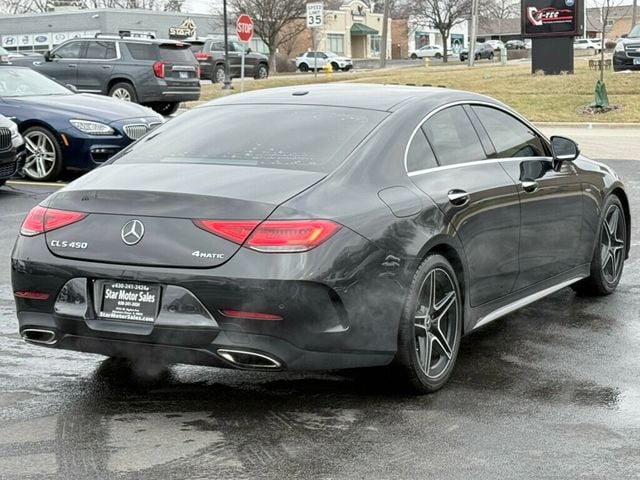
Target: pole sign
(551, 18)
(244, 28)
(315, 14)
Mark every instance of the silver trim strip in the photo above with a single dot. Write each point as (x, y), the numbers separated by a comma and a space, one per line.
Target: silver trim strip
(227, 354)
(52, 341)
(465, 102)
(502, 311)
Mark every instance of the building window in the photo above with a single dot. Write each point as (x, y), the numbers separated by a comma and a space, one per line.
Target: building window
(335, 43)
(610, 23)
(375, 45)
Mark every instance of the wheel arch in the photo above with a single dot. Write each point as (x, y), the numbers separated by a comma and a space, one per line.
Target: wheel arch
(119, 79)
(624, 200)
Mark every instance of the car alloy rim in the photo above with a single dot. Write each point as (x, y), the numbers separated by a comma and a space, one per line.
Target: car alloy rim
(435, 323)
(612, 244)
(41, 155)
(262, 72)
(220, 75)
(121, 94)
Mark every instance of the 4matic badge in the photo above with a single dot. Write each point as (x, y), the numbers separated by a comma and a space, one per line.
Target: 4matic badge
(199, 254)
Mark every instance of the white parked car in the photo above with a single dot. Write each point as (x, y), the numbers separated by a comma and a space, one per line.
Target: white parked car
(430, 51)
(587, 44)
(317, 60)
(495, 44)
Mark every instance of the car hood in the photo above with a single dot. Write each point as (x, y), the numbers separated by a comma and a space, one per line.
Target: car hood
(85, 105)
(340, 59)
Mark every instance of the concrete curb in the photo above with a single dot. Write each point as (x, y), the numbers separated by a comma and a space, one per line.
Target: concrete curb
(588, 125)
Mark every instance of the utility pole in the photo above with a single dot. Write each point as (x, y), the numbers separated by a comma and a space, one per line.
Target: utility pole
(385, 32)
(474, 32)
(633, 13)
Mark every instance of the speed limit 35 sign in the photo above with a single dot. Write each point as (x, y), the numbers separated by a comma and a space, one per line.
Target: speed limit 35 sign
(315, 14)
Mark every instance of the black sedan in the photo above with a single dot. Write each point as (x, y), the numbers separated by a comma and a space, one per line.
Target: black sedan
(318, 227)
(483, 50)
(11, 149)
(63, 129)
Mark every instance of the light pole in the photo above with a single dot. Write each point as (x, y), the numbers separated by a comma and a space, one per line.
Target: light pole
(227, 78)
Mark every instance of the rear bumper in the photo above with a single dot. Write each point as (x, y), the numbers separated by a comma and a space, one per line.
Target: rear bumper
(332, 315)
(163, 91)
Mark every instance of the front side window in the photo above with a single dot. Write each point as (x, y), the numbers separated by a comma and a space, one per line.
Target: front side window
(70, 50)
(510, 137)
(453, 137)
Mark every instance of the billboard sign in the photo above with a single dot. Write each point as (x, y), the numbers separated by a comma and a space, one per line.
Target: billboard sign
(552, 18)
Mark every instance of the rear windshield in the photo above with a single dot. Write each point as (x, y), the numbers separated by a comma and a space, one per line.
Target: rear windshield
(195, 48)
(174, 53)
(294, 137)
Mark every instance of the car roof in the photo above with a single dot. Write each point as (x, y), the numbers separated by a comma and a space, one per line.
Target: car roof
(117, 38)
(351, 95)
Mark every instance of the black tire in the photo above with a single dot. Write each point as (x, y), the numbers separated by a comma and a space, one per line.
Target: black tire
(438, 56)
(491, 56)
(303, 67)
(413, 56)
(165, 108)
(54, 155)
(441, 311)
(477, 57)
(262, 72)
(334, 66)
(218, 75)
(124, 91)
(347, 68)
(609, 253)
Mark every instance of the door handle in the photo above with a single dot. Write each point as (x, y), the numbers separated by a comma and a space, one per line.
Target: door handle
(72, 65)
(459, 198)
(106, 67)
(529, 186)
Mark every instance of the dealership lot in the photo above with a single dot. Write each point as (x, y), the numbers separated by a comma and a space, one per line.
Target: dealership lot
(550, 391)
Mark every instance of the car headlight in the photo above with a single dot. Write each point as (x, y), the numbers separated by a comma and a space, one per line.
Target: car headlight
(92, 128)
(619, 47)
(13, 128)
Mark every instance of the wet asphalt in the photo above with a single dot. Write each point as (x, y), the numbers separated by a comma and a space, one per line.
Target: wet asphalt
(550, 391)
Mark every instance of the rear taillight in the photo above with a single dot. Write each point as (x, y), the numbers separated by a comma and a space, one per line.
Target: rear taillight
(273, 235)
(250, 315)
(158, 69)
(40, 220)
(198, 71)
(203, 56)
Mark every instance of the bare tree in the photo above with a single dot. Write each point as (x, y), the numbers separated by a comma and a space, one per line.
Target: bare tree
(274, 21)
(500, 10)
(443, 15)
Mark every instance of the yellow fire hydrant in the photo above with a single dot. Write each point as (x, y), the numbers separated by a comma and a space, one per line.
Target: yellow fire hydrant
(328, 69)
(426, 61)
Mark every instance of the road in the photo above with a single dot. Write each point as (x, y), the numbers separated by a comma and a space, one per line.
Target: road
(550, 391)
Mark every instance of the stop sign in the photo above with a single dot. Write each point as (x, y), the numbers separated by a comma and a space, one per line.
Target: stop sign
(244, 28)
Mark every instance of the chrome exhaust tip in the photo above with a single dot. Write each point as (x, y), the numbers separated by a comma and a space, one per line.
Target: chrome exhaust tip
(244, 359)
(37, 335)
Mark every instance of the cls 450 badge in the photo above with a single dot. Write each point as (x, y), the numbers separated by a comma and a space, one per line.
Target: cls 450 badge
(68, 244)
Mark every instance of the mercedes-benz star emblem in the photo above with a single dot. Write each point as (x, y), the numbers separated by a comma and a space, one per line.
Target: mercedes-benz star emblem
(132, 232)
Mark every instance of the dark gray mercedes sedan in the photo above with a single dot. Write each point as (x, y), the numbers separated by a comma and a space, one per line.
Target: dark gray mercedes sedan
(318, 227)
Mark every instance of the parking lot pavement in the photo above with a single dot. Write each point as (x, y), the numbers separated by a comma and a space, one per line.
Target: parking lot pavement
(550, 391)
(601, 142)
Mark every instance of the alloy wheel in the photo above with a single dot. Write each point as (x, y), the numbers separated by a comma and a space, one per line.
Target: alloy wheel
(41, 155)
(121, 94)
(612, 244)
(435, 323)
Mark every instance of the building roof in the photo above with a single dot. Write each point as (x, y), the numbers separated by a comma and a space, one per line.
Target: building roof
(493, 26)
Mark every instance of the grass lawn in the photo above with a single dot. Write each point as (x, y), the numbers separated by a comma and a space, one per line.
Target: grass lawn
(551, 98)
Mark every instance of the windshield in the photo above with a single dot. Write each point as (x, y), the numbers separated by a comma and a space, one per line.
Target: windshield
(330, 54)
(635, 32)
(294, 137)
(23, 82)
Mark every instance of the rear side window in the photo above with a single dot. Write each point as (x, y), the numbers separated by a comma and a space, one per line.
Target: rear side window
(100, 50)
(510, 137)
(177, 54)
(293, 137)
(453, 137)
(142, 51)
(420, 156)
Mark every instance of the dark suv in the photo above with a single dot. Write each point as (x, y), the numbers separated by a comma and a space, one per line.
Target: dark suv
(210, 54)
(626, 54)
(156, 73)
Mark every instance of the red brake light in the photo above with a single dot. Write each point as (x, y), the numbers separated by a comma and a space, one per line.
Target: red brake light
(291, 235)
(203, 56)
(284, 236)
(31, 295)
(236, 231)
(250, 315)
(158, 69)
(40, 220)
(198, 71)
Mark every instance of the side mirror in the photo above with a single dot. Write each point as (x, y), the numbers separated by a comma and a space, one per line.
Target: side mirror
(47, 56)
(624, 35)
(71, 87)
(248, 51)
(563, 150)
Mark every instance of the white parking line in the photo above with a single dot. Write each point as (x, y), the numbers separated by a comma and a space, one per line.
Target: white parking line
(35, 184)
